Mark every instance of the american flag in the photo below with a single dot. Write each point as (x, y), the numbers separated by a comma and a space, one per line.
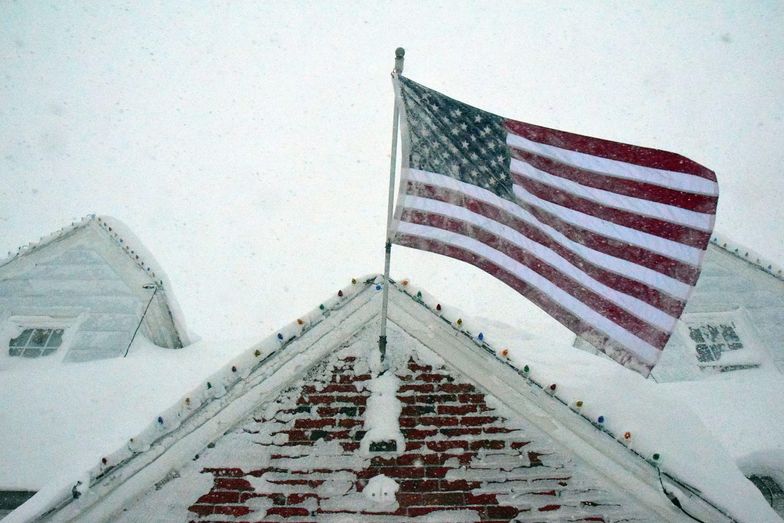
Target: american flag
(607, 238)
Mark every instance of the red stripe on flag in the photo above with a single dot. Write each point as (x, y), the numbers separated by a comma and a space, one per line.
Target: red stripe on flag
(655, 193)
(663, 229)
(542, 300)
(639, 290)
(680, 271)
(631, 154)
(605, 307)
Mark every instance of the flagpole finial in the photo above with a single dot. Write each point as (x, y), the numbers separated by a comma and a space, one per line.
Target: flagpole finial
(400, 54)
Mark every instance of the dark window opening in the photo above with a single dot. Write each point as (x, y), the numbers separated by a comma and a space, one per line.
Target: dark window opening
(34, 343)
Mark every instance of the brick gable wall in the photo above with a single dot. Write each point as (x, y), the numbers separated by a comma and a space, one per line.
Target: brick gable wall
(465, 459)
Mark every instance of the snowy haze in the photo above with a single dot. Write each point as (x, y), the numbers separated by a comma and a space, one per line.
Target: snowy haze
(247, 144)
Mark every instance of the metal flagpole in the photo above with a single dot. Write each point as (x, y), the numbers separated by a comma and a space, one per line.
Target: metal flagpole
(382, 339)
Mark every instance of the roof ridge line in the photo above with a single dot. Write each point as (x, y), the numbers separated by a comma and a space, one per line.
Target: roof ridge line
(750, 256)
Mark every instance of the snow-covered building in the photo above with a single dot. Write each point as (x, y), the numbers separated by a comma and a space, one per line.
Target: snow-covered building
(462, 422)
(82, 293)
(307, 425)
(733, 321)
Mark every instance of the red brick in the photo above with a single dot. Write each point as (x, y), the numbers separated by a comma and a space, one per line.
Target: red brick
(327, 411)
(488, 444)
(549, 508)
(418, 485)
(440, 499)
(297, 435)
(314, 423)
(350, 446)
(476, 420)
(470, 398)
(432, 378)
(461, 431)
(407, 421)
(417, 387)
(317, 399)
(202, 510)
(403, 472)
(456, 409)
(437, 472)
(501, 512)
(296, 499)
(232, 484)
(457, 387)
(416, 367)
(350, 422)
(497, 430)
(351, 378)
(480, 499)
(457, 484)
(333, 388)
(349, 359)
(436, 398)
(225, 472)
(413, 445)
(231, 510)
(288, 512)
(408, 400)
(439, 421)
(443, 446)
(229, 496)
(415, 434)
(354, 399)
(519, 444)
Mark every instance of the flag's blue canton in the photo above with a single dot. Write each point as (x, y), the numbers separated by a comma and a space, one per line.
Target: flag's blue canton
(454, 139)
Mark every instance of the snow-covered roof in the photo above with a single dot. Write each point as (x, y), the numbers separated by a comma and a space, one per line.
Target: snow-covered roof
(648, 427)
(122, 236)
(749, 255)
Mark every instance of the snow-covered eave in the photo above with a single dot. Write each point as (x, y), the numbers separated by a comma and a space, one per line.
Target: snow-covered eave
(748, 255)
(203, 414)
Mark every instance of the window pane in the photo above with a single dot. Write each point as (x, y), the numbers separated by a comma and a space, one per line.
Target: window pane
(696, 335)
(55, 339)
(47, 352)
(39, 337)
(21, 340)
(14, 352)
(31, 353)
(704, 353)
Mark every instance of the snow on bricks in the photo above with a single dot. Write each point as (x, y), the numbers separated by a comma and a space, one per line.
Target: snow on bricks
(464, 458)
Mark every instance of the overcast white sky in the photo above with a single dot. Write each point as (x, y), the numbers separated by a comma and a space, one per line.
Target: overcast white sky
(247, 143)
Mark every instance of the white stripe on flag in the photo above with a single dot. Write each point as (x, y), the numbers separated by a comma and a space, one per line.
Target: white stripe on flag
(656, 280)
(662, 211)
(634, 306)
(640, 348)
(660, 177)
(651, 242)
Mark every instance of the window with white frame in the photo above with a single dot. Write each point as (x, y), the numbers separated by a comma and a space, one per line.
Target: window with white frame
(35, 343)
(711, 339)
(723, 341)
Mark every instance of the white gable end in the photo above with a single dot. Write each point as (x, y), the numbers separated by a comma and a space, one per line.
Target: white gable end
(84, 280)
